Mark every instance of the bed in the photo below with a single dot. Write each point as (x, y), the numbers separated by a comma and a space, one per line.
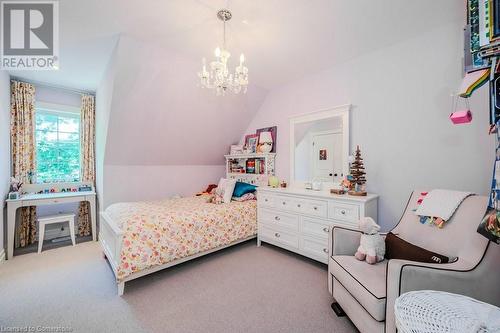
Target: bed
(139, 238)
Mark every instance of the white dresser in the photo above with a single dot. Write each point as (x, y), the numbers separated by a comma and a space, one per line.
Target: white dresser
(299, 220)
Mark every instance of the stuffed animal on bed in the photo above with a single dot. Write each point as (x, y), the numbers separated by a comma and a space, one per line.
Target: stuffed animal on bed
(372, 245)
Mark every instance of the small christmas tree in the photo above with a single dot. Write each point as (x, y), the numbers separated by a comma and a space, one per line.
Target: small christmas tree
(358, 171)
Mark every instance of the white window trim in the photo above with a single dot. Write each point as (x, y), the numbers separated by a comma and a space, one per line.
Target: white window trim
(58, 108)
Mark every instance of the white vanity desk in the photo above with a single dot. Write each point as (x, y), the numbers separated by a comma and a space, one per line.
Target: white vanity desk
(45, 199)
(299, 220)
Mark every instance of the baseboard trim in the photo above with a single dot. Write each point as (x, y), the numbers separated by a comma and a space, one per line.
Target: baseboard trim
(2, 256)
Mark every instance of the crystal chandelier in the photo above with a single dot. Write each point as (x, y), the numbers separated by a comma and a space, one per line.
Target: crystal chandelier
(218, 76)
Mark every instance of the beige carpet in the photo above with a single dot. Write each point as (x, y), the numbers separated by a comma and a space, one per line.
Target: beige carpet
(241, 289)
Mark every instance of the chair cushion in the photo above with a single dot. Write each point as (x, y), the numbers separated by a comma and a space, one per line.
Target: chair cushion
(365, 282)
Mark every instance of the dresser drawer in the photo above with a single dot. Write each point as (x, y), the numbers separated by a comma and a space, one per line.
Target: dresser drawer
(279, 236)
(279, 219)
(343, 211)
(316, 228)
(314, 207)
(286, 203)
(315, 248)
(266, 200)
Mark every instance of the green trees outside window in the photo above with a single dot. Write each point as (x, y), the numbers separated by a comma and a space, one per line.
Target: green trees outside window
(57, 137)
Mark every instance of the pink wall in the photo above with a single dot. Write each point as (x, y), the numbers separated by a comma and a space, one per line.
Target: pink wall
(401, 102)
(139, 182)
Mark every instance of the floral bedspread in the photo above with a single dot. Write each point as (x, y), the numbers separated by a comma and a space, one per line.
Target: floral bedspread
(158, 232)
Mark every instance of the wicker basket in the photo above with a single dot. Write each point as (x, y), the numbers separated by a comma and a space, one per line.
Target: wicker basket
(429, 311)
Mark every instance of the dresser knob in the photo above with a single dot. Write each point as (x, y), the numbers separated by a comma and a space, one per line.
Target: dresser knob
(342, 212)
(325, 250)
(284, 203)
(325, 229)
(266, 200)
(298, 205)
(277, 235)
(315, 208)
(277, 218)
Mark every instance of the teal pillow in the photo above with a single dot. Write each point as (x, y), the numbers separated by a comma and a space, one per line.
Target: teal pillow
(241, 189)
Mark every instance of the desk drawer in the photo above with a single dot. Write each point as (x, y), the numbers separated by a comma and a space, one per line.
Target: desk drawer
(343, 211)
(279, 236)
(279, 219)
(49, 201)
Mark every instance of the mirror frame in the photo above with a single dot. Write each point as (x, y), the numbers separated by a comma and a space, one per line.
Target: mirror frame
(342, 111)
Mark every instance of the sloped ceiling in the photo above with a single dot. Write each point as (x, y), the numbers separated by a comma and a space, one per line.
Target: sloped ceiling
(161, 116)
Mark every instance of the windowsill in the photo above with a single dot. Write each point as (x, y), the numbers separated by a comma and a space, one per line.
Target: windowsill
(34, 188)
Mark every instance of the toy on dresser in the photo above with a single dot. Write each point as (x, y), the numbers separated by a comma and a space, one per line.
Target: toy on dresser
(372, 245)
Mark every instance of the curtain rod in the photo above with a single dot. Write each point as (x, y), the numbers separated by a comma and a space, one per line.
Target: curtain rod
(54, 86)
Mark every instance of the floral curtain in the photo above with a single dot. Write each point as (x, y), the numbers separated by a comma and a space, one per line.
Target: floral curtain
(22, 123)
(87, 139)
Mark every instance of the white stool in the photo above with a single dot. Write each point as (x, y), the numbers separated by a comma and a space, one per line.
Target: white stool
(43, 221)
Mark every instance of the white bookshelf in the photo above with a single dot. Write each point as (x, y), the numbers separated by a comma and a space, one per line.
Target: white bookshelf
(239, 167)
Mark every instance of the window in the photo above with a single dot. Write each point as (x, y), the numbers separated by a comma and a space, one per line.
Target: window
(57, 136)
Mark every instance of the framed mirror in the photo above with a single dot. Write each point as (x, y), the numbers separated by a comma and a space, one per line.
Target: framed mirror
(319, 147)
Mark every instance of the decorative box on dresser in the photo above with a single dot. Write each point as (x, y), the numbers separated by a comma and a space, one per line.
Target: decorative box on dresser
(299, 220)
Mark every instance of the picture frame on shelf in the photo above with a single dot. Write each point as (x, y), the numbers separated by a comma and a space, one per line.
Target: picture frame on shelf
(236, 150)
(274, 133)
(251, 141)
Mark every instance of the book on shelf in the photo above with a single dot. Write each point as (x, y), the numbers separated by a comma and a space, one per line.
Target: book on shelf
(251, 166)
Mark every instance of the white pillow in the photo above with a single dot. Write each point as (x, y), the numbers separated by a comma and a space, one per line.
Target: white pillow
(226, 189)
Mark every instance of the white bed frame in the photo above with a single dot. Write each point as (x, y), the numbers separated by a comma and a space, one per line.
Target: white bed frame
(110, 237)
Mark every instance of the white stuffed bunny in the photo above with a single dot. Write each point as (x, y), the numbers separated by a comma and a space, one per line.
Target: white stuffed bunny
(372, 245)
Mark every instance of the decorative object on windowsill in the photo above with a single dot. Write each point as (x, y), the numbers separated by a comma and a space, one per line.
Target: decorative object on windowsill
(358, 173)
(308, 186)
(283, 184)
(85, 188)
(15, 184)
(273, 181)
(462, 116)
(265, 141)
(218, 76)
(251, 143)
